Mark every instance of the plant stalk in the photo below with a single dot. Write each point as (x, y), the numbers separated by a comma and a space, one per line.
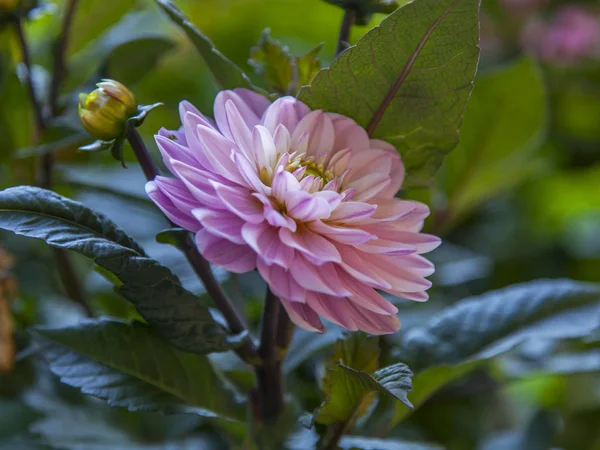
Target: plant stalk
(269, 374)
(234, 320)
(66, 270)
(344, 36)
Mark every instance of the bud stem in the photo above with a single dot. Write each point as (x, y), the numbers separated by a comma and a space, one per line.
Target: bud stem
(344, 36)
(236, 325)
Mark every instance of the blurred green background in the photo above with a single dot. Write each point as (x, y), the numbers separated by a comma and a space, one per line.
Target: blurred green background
(518, 199)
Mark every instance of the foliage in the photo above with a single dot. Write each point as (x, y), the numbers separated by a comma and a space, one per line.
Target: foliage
(506, 353)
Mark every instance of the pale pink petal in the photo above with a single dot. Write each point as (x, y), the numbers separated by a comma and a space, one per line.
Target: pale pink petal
(285, 111)
(275, 217)
(175, 215)
(355, 265)
(191, 122)
(374, 323)
(334, 309)
(306, 207)
(348, 134)
(223, 253)
(281, 282)
(310, 244)
(198, 182)
(369, 186)
(241, 134)
(282, 139)
(263, 148)
(303, 316)
(284, 182)
(389, 210)
(319, 129)
(248, 173)
(351, 212)
(366, 297)
(324, 279)
(399, 278)
(397, 171)
(186, 107)
(264, 240)
(170, 149)
(341, 234)
(218, 150)
(221, 223)
(240, 201)
(389, 233)
(420, 296)
(248, 104)
(369, 162)
(174, 135)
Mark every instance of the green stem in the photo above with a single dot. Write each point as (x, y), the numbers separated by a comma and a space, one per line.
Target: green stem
(344, 36)
(234, 320)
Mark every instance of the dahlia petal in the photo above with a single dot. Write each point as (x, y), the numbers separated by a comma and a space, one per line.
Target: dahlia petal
(355, 265)
(303, 316)
(285, 111)
(282, 139)
(393, 209)
(263, 148)
(343, 235)
(397, 170)
(399, 278)
(369, 186)
(248, 173)
(242, 135)
(264, 240)
(306, 207)
(313, 277)
(186, 107)
(217, 150)
(387, 247)
(283, 182)
(369, 162)
(333, 309)
(331, 197)
(174, 214)
(197, 182)
(339, 161)
(273, 216)
(174, 135)
(420, 296)
(351, 212)
(170, 149)
(320, 132)
(348, 134)
(311, 244)
(281, 282)
(221, 223)
(367, 297)
(245, 102)
(223, 253)
(390, 234)
(240, 202)
(373, 323)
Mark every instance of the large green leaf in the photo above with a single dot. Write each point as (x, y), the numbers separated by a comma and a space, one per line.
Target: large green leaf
(348, 388)
(129, 366)
(407, 81)
(152, 288)
(504, 122)
(226, 72)
(482, 327)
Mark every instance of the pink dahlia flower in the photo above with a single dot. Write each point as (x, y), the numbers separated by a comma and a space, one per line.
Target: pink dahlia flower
(303, 196)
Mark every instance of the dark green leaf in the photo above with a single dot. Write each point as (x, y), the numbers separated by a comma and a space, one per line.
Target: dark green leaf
(273, 61)
(407, 81)
(364, 9)
(348, 388)
(129, 366)
(171, 236)
(152, 288)
(485, 326)
(130, 61)
(504, 123)
(226, 73)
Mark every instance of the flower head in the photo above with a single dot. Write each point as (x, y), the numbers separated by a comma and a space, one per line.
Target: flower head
(306, 198)
(104, 111)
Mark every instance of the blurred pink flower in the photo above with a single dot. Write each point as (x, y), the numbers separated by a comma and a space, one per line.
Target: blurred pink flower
(573, 35)
(306, 198)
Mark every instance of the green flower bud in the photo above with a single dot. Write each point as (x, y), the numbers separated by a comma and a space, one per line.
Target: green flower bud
(104, 111)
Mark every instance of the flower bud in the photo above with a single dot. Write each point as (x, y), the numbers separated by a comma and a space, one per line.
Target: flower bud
(104, 111)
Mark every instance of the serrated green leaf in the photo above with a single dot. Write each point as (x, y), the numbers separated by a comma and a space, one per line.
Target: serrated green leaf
(407, 81)
(307, 67)
(129, 366)
(273, 61)
(358, 351)
(505, 121)
(225, 72)
(153, 289)
(348, 388)
(485, 326)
